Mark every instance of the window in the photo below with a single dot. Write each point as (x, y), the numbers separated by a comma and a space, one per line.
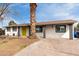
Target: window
(60, 28)
(14, 28)
(39, 29)
(8, 28)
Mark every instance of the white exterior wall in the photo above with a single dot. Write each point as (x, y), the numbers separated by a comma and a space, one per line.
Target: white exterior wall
(51, 33)
(66, 34)
(40, 35)
(11, 32)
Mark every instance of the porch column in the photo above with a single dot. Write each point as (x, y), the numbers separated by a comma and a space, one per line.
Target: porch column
(18, 31)
(44, 31)
(11, 31)
(70, 32)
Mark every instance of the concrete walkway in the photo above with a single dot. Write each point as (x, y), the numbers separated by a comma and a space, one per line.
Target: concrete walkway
(51, 47)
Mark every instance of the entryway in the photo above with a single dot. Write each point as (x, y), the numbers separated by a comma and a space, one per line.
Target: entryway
(24, 31)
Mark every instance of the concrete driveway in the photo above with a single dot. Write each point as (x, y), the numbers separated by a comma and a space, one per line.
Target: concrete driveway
(51, 47)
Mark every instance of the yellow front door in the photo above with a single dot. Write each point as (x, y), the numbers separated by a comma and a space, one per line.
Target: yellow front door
(24, 31)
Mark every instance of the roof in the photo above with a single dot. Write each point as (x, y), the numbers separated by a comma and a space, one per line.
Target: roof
(49, 23)
(57, 22)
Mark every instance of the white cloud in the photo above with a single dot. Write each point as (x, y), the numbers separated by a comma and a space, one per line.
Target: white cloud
(58, 11)
(61, 14)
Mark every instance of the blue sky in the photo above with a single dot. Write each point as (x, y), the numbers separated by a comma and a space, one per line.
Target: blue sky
(57, 11)
(45, 12)
(24, 12)
(20, 13)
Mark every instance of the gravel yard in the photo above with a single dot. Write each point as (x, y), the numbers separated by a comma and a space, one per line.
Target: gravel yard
(9, 47)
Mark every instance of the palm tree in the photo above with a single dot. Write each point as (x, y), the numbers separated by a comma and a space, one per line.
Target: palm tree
(32, 20)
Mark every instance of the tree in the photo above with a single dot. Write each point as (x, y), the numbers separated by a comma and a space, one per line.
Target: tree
(6, 11)
(12, 23)
(78, 25)
(3, 9)
(77, 28)
(32, 20)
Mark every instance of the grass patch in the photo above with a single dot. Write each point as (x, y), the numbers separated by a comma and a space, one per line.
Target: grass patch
(23, 46)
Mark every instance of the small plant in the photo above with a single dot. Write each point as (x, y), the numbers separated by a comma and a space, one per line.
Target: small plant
(23, 46)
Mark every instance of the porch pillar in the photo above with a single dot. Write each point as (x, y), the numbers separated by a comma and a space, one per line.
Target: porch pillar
(19, 31)
(70, 32)
(44, 31)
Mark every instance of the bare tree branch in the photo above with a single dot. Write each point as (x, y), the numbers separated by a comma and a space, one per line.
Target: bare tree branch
(5, 6)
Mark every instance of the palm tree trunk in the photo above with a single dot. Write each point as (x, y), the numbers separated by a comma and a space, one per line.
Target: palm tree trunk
(32, 20)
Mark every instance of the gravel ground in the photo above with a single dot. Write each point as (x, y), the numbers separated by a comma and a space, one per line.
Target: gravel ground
(8, 47)
(51, 47)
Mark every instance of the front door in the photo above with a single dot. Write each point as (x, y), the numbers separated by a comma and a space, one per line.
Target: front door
(24, 31)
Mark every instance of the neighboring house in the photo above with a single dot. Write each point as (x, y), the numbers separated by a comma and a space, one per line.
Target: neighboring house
(51, 29)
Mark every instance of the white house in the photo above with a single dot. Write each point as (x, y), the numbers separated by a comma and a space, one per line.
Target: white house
(50, 29)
